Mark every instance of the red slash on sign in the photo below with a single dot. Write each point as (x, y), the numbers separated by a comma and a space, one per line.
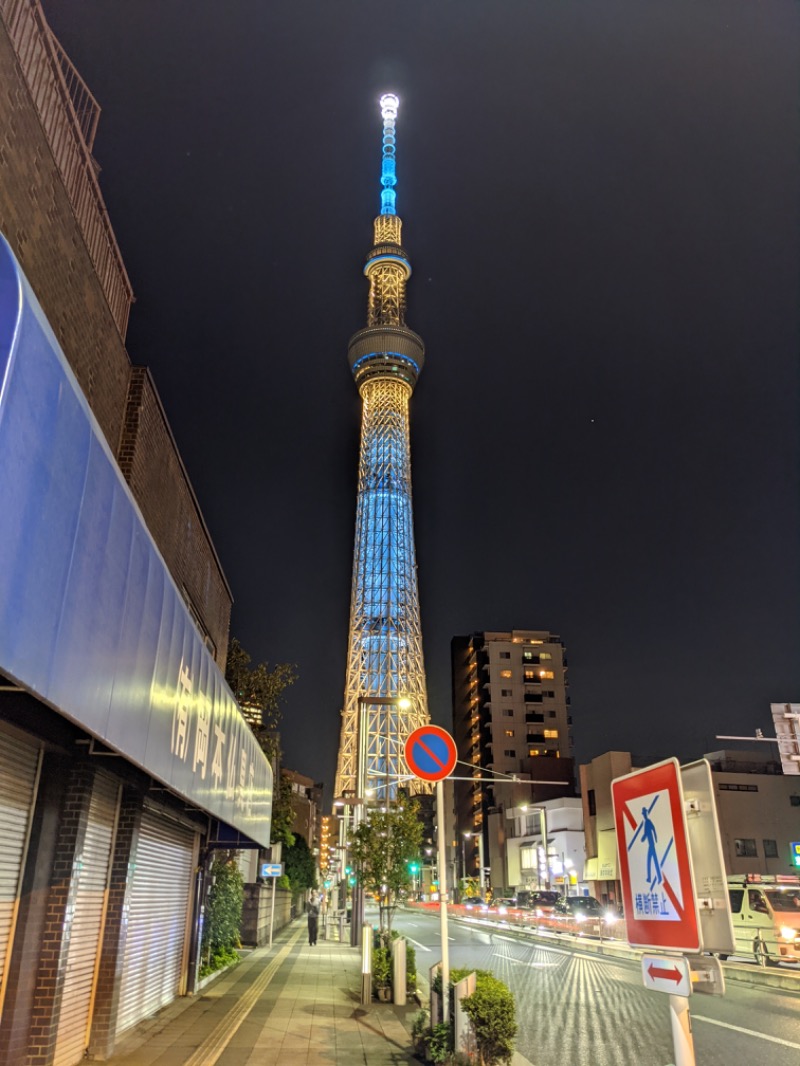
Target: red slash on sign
(659, 973)
(667, 973)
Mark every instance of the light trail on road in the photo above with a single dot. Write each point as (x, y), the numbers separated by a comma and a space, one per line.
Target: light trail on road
(593, 1010)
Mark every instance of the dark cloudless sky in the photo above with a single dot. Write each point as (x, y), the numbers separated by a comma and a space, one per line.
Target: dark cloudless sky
(600, 205)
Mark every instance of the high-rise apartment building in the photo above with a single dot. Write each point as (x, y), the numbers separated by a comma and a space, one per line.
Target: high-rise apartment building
(510, 719)
(385, 693)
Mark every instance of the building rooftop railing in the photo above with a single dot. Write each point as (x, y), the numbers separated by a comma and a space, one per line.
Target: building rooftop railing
(69, 115)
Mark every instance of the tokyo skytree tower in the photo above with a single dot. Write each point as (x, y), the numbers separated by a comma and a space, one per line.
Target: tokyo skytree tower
(384, 661)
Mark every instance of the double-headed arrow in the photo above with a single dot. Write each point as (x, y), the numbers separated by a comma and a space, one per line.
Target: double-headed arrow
(659, 973)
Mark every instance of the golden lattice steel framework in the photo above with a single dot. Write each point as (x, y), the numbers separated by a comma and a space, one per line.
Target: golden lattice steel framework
(385, 642)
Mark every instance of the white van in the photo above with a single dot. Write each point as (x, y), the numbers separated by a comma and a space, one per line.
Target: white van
(766, 916)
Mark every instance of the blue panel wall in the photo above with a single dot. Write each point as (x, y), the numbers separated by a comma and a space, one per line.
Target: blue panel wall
(90, 619)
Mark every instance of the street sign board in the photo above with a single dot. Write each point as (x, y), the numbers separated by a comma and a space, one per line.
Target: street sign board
(271, 869)
(667, 973)
(795, 846)
(708, 863)
(431, 753)
(654, 863)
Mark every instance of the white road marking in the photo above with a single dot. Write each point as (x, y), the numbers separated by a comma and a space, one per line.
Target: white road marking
(747, 1032)
(521, 962)
(416, 943)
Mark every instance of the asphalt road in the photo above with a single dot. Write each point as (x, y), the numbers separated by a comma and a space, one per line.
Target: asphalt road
(584, 1010)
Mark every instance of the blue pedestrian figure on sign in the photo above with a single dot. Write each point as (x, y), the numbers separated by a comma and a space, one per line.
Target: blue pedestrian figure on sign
(650, 836)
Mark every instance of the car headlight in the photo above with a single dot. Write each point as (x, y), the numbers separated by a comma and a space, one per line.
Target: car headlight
(580, 917)
(788, 932)
(609, 917)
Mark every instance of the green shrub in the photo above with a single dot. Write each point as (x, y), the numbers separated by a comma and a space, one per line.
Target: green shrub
(491, 1011)
(439, 1042)
(490, 1008)
(411, 968)
(381, 968)
(223, 914)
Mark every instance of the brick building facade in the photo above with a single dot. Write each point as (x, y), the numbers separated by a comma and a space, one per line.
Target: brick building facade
(86, 814)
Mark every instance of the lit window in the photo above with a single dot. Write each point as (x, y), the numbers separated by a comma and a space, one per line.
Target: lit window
(509, 732)
(548, 674)
(505, 673)
(532, 752)
(544, 655)
(530, 674)
(551, 734)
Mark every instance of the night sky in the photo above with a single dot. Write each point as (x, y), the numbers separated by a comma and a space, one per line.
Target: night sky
(600, 205)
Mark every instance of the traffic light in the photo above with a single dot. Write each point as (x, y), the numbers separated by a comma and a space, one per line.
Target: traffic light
(413, 867)
(348, 869)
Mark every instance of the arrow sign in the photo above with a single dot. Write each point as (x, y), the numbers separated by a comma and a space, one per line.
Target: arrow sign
(663, 973)
(673, 974)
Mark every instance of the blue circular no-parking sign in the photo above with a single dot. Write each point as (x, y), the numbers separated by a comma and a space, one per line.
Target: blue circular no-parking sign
(431, 753)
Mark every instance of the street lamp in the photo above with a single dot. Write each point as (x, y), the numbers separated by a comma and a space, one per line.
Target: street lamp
(364, 703)
(467, 835)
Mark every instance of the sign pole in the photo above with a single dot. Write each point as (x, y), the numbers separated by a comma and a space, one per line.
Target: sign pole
(431, 755)
(272, 910)
(443, 901)
(682, 1039)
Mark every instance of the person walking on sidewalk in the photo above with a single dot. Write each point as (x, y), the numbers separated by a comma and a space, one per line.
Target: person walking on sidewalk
(313, 922)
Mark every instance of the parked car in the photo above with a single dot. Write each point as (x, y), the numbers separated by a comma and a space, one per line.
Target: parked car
(542, 903)
(585, 911)
(504, 905)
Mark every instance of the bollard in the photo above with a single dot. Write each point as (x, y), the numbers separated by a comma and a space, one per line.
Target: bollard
(399, 971)
(366, 965)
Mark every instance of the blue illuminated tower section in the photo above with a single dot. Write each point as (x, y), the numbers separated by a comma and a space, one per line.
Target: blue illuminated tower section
(385, 659)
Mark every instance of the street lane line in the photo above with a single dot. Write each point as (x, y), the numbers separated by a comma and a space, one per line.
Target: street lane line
(747, 1032)
(416, 943)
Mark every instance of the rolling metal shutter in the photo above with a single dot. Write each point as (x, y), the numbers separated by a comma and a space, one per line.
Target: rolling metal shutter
(85, 921)
(158, 917)
(19, 778)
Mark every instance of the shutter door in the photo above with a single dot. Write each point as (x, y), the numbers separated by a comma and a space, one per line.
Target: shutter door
(85, 921)
(19, 775)
(158, 913)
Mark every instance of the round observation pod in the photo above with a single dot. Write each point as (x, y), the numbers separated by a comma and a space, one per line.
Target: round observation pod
(392, 352)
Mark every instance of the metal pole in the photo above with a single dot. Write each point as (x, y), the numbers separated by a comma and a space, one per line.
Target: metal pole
(480, 860)
(272, 909)
(682, 1038)
(543, 825)
(357, 912)
(443, 901)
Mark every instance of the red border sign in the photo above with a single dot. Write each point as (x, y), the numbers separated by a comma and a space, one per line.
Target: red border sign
(654, 862)
(431, 753)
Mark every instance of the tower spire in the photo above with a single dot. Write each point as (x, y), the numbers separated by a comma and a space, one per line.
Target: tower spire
(389, 105)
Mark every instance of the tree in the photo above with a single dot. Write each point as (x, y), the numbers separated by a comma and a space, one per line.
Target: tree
(382, 848)
(300, 866)
(259, 690)
(282, 813)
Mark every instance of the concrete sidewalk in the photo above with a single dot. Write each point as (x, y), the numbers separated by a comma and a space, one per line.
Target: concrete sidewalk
(292, 1005)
